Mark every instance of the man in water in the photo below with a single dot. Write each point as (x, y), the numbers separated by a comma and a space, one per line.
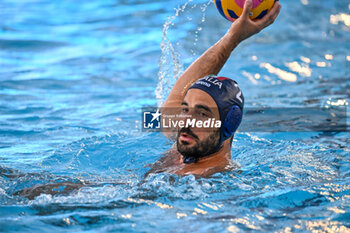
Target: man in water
(200, 92)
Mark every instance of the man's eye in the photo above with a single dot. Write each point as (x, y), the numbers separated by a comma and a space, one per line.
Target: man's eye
(203, 114)
(184, 110)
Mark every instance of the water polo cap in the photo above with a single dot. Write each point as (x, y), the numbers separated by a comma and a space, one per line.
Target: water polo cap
(229, 99)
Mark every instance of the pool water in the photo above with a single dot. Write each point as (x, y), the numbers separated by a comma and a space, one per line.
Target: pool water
(75, 75)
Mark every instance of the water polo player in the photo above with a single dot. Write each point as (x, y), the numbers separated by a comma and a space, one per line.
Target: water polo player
(204, 152)
(198, 152)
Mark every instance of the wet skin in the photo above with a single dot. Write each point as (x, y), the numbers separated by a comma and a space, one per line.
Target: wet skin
(200, 104)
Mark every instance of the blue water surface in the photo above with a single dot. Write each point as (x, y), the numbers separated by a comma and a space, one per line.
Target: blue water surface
(75, 74)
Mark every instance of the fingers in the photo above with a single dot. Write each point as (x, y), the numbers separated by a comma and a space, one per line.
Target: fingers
(270, 17)
(248, 5)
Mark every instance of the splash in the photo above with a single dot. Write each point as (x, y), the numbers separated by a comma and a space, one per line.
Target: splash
(170, 65)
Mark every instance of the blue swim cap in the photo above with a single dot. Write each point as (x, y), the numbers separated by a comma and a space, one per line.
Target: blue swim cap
(229, 99)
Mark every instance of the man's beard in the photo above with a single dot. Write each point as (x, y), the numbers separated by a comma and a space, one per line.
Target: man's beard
(201, 148)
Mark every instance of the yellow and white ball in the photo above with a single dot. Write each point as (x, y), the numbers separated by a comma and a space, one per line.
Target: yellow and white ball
(232, 9)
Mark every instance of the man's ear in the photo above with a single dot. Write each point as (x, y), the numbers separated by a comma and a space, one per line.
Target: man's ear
(232, 121)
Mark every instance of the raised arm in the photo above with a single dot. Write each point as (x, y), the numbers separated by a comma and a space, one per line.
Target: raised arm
(216, 56)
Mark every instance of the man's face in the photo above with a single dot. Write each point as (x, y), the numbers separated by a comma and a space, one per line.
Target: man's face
(198, 142)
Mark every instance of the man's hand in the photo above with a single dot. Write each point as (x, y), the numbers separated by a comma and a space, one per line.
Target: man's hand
(215, 57)
(58, 188)
(244, 27)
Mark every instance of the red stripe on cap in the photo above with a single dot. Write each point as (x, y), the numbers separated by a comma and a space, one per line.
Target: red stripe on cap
(222, 78)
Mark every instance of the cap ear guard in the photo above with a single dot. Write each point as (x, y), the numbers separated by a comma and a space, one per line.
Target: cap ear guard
(232, 121)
